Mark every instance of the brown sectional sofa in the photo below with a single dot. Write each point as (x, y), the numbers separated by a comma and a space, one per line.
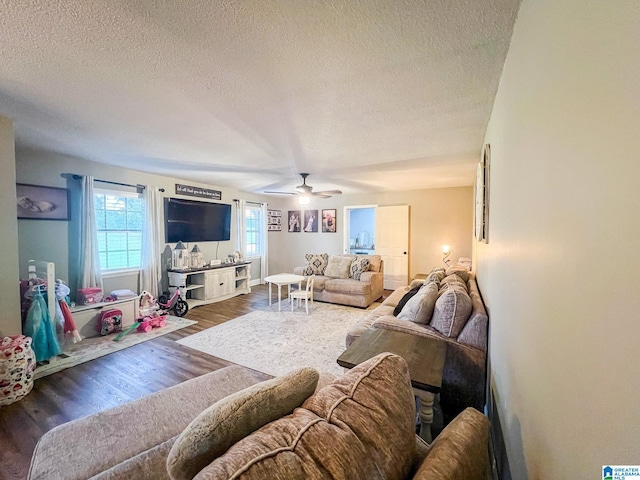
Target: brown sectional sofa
(463, 383)
(359, 425)
(347, 291)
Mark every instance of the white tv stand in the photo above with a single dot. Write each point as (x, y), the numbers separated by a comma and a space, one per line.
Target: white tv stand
(200, 286)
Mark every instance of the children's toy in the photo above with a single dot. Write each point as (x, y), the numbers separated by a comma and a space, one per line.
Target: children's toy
(152, 313)
(148, 323)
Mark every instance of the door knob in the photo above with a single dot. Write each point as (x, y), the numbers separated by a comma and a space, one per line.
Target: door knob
(404, 253)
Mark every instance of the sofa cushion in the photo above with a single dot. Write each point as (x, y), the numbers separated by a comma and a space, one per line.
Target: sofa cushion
(406, 297)
(360, 426)
(460, 452)
(358, 265)
(454, 278)
(419, 308)
(451, 311)
(347, 286)
(231, 419)
(435, 276)
(393, 299)
(459, 270)
(316, 263)
(338, 266)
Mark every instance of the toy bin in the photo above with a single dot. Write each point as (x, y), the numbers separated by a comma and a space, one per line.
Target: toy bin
(17, 364)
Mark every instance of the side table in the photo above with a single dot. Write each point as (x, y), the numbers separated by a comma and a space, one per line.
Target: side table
(425, 357)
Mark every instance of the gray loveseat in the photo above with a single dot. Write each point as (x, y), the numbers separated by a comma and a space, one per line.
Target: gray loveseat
(358, 426)
(344, 289)
(464, 376)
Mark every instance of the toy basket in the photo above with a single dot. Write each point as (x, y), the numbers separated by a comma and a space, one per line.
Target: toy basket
(17, 363)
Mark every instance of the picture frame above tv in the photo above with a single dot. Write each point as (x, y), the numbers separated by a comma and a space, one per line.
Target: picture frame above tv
(196, 221)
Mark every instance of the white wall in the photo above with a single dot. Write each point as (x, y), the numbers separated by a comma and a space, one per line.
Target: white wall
(559, 274)
(9, 290)
(436, 217)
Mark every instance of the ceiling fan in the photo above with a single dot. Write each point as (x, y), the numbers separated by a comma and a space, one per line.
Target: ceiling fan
(305, 190)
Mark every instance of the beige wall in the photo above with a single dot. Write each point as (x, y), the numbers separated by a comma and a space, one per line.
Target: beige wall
(9, 291)
(436, 217)
(559, 274)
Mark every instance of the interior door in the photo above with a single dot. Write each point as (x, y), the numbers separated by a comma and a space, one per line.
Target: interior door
(392, 244)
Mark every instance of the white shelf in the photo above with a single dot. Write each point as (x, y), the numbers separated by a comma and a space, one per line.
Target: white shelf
(214, 284)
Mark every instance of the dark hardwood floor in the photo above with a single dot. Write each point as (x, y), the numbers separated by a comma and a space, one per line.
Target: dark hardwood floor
(112, 380)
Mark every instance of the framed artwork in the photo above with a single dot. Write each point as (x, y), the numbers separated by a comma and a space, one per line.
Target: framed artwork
(482, 196)
(294, 221)
(38, 202)
(329, 221)
(311, 221)
(274, 220)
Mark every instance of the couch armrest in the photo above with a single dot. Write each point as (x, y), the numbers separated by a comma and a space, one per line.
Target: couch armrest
(461, 451)
(376, 280)
(298, 270)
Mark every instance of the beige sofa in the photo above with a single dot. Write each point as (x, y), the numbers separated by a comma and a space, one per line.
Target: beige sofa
(464, 376)
(345, 290)
(358, 426)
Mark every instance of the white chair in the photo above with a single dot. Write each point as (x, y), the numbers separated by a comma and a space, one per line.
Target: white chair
(306, 294)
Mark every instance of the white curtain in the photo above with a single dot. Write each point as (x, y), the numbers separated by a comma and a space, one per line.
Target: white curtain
(241, 237)
(89, 274)
(151, 272)
(264, 271)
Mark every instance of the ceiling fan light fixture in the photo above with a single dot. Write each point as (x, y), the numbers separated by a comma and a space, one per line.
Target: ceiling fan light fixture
(304, 200)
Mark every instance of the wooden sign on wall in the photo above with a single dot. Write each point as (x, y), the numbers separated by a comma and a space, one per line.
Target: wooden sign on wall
(198, 192)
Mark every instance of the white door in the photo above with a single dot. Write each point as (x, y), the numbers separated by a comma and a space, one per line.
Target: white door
(392, 244)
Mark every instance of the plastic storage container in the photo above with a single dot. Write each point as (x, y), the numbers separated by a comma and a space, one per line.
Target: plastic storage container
(17, 363)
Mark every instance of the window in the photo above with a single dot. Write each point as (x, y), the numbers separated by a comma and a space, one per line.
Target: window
(254, 231)
(119, 220)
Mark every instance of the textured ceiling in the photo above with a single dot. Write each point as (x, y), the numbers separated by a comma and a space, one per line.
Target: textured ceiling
(365, 95)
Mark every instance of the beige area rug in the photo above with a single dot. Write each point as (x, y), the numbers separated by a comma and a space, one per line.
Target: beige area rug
(276, 342)
(95, 347)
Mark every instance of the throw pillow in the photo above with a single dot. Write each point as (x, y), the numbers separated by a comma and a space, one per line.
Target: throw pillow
(454, 278)
(360, 426)
(407, 296)
(358, 265)
(338, 266)
(316, 263)
(452, 311)
(435, 276)
(419, 309)
(229, 420)
(459, 270)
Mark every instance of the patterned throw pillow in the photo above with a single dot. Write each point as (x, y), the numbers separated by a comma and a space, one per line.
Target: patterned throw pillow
(316, 263)
(358, 265)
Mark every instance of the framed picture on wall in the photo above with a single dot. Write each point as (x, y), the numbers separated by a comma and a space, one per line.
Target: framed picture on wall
(37, 202)
(482, 196)
(311, 221)
(294, 221)
(329, 221)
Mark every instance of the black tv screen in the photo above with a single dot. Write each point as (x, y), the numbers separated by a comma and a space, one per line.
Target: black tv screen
(193, 221)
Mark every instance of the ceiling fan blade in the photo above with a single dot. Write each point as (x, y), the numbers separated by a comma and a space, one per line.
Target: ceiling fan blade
(283, 193)
(328, 192)
(321, 196)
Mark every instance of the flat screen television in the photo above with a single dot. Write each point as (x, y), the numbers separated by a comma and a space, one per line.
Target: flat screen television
(193, 221)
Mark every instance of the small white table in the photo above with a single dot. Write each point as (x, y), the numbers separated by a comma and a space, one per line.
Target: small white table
(283, 279)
